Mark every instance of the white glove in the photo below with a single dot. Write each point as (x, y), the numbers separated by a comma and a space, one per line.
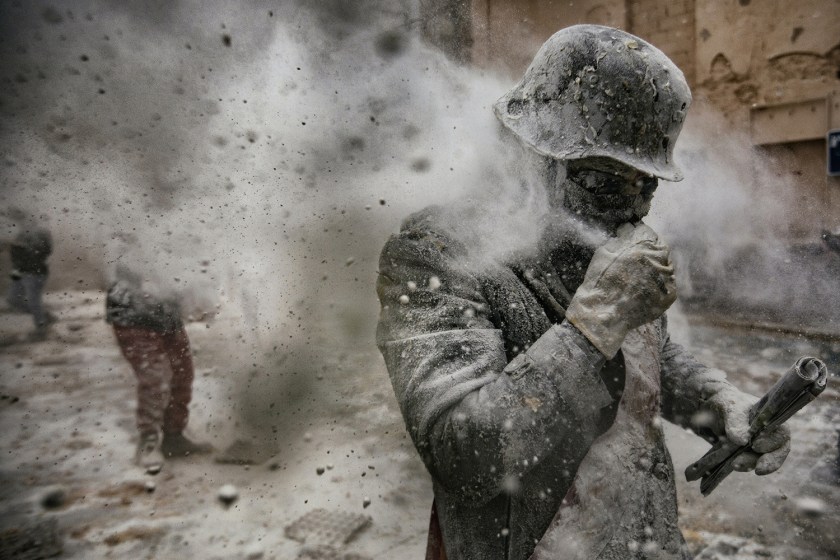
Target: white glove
(629, 282)
(726, 414)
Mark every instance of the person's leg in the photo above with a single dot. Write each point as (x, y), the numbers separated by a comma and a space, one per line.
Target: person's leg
(33, 285)
(16, 297)
(144, 350)
(177, 411)
(837, 458)
(178, 353)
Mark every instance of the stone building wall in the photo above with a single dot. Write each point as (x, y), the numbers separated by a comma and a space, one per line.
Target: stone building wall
(668, 25)
(772, 68)
(448, 24)
(507, 34)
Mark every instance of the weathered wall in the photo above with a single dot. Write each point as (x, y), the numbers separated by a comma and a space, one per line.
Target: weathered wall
(448, 25)
(772, 68)
(668, 25)
(507, 33)
(735, 52)
(813, 203)
(766, 52)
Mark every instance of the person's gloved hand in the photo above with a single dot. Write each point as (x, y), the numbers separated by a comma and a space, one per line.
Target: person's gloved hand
(726, 414)
(629, 282)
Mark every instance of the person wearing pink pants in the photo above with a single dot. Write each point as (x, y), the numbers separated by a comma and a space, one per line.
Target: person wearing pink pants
(151, 336)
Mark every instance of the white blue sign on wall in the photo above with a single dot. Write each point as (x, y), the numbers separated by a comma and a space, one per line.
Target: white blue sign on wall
(833, 143)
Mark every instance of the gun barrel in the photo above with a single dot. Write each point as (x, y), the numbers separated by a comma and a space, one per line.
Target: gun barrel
(807, 374)
(801, 384)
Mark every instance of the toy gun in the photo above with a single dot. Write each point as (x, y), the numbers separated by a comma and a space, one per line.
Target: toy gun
(800, 385)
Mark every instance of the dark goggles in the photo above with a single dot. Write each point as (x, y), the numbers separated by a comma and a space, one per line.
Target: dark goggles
(607, 182)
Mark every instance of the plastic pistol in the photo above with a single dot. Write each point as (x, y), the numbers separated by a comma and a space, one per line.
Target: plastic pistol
(801, 384)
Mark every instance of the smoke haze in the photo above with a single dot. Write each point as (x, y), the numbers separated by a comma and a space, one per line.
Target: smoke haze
(253, 157)
(723, 223)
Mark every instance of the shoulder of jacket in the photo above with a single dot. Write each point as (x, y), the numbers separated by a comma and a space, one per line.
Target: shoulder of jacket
(428, 229)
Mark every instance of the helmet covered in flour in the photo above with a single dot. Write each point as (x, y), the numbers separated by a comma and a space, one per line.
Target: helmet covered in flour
(594, 91)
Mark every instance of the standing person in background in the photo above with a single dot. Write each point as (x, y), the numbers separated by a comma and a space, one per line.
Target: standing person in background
(29, 252)
(150, 332)
(831, 240)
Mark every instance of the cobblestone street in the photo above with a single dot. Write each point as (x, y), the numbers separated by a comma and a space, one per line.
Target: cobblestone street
(339, 445)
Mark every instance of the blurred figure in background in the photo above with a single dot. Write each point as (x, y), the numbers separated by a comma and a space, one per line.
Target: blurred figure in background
(150, 332)
(29, 252)
(831, 240)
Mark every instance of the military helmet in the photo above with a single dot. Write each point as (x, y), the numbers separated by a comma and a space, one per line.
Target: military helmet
(595, 91)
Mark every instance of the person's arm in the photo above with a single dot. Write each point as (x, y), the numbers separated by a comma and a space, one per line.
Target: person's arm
(687, 385)
(48, 244)
(476, 420)
(697, 397)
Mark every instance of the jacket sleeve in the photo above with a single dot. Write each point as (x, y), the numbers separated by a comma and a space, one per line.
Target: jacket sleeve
(477, 421)
(686, 383)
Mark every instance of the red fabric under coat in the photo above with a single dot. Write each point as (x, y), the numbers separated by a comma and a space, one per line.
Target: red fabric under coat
(434, 545)
(159, 359)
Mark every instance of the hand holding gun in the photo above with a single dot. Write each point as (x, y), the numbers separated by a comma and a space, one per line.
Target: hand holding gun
(800, 385)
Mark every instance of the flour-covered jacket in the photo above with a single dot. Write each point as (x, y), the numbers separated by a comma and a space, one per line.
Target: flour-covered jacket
(503, 399)
(127, 305)
(30, 250)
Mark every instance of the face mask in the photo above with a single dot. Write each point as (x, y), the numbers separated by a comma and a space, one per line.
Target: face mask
(609, 198)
